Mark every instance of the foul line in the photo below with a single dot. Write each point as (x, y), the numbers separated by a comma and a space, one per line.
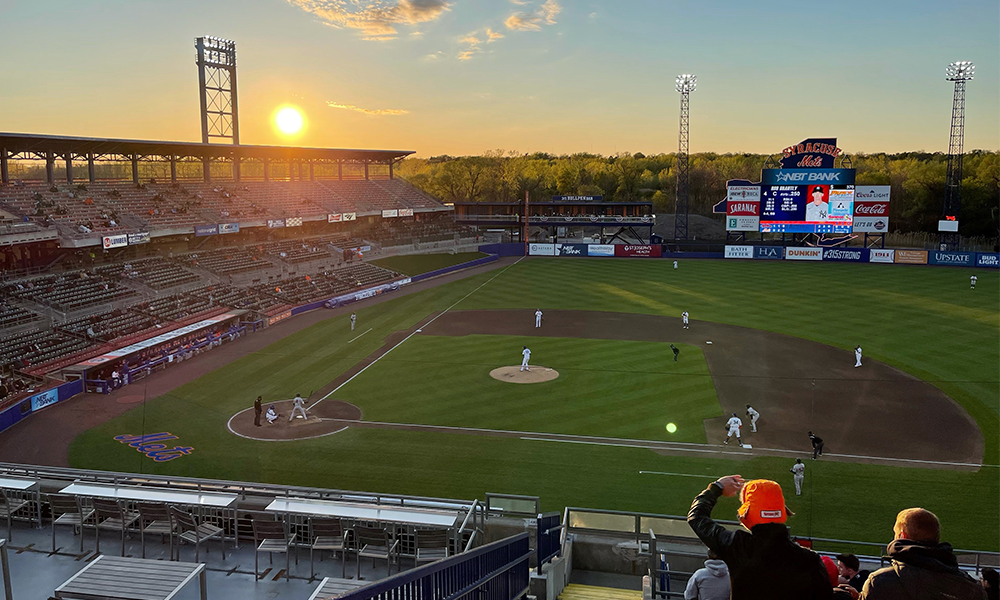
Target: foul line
(419, 328)
(676, 474)
(369, 329)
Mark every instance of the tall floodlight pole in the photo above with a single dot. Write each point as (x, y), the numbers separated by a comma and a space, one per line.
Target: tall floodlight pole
(959, 72)
(686, 84)
(217, 89)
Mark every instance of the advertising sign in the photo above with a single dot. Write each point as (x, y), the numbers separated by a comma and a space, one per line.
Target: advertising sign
(406, 212)
(638, 251)
(353, 216)
(988, 259)
(138, 238)
(334, 218)
(114, 241)
(814, 153)
(739, 252)
(577, 198)
(44, 399)
(275, 223)
(947, 225)
(958, 259)
(229, 228)
(911, 257)
(600, 250)
(807, 176)
(203, 230)
(871, 209)
(768, 252)
(571, 249)
(844, 254)
(743, 208)
(806, 208)
(293, 222)
(880, 255)
(541, 249)
(803, 254)
(390, 213)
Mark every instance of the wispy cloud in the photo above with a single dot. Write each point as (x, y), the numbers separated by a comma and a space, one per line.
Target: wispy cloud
(492, 36)
(368, 111)
(375, 19)
(533, 20)
(473, 46)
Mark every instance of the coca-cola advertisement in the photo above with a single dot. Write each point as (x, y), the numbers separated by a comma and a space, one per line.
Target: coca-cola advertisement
(871, 209)
(638, 251)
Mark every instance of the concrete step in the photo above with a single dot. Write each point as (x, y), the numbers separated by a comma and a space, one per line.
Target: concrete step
(576, 591)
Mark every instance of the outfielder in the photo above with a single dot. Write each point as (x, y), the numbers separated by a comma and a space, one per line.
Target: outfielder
(972, 282)
(684, 318)
(734, 424)
(524, 362)
(857, 356)
(538, 318)
(675, 264)
(798, 475)
(297, 405)
(354, 319)
(754, 415)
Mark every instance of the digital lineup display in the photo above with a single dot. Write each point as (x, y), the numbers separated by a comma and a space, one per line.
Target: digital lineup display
(806, 208)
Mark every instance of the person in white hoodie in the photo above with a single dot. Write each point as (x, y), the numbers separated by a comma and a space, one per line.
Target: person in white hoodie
(710, 582)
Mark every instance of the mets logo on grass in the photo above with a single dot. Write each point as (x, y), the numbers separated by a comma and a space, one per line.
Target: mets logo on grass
(152, 445)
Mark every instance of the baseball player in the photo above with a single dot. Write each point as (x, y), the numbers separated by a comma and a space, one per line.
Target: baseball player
(798, 475)
(817, 443)
(272, 415)
(526, 353)
(676, 350)
(857, 356)
(538, 318)
(675, 264)
(734, 424)
(684, 318)
(354, 319)
(754, 415)
(972, 282)
(297, 405)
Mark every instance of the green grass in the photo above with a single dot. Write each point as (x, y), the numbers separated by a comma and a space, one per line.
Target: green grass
(923, 320)
(416, 264)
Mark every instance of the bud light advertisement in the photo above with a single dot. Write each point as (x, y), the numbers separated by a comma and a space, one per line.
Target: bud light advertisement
(988, 260)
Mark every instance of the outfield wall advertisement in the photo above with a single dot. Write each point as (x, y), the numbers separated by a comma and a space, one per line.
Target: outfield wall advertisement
(768, 252)
(988, 259)
(955, 259)
(882, 255)
(871, 208)
(845, 254)
(911, 257)
(803, 254)
(739, 252)
(638, 251)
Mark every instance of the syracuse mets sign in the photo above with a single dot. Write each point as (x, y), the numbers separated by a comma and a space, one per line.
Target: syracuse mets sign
(813, 153)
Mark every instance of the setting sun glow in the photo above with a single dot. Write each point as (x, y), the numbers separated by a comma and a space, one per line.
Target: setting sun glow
(289, 120)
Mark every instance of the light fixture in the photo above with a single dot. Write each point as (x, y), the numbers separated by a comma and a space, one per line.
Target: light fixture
(962, 70)
(686, 83)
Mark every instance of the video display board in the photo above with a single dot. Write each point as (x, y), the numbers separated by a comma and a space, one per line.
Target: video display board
(812, 208)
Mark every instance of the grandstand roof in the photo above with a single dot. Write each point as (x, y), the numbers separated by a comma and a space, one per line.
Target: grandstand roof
(16, 143)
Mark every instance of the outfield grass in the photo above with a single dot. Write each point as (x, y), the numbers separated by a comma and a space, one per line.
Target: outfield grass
(416, 264)
(925, 321)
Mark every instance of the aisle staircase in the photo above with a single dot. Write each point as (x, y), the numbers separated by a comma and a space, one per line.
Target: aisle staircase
(575, 591)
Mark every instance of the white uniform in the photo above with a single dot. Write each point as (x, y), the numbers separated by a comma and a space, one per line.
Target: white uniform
(675, 264)
(538, 318)
(684, 318)
(271, 415)
(524, 363)
(817, 212)
(972, 281)
(734, 425)
(798, 475)
(354, 319)
(754, 415)
(297, 405)
(857, 356)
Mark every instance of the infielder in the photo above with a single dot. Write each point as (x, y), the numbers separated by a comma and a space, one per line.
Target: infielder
(354, 319)
(734, 424)
(798, 475)
(538, 318)
(684, 318)
(754, 415)
(297, 405)
(526, 353)
(972, 282)
(857, 356)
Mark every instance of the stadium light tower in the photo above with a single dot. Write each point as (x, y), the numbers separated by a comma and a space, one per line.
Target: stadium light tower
(217, 89)
(959, 72)
(686, 84)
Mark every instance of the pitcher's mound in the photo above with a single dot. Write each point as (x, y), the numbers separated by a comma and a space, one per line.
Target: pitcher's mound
(537, 374)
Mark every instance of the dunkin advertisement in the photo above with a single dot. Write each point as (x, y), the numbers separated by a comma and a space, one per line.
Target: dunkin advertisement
(871, 209)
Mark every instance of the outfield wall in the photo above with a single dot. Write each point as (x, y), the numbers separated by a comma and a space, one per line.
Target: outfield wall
(38, 401)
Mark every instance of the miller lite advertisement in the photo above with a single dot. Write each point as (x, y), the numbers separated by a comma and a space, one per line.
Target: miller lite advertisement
(743, 208)
(871, 209)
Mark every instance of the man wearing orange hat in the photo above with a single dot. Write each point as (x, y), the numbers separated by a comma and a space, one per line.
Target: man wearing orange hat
(763, 560)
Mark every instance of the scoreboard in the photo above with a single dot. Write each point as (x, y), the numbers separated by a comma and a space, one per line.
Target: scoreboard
(806, 208)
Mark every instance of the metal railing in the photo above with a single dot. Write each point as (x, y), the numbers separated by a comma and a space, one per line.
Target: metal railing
(5, 567)
(497, 571)
(512, 505)
(549, 534)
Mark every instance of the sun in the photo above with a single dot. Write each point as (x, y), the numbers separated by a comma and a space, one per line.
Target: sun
(289, 120)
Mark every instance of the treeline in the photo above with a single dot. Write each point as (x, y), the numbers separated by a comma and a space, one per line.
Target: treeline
(917, 180)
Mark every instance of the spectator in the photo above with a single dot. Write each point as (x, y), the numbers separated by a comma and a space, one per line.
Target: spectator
(922, 566)
(763, 561)
(991, 583)
(710, 582)
(850, 571)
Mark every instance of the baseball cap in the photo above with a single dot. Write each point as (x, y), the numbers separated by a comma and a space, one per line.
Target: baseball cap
(831, 570)
(762, 502)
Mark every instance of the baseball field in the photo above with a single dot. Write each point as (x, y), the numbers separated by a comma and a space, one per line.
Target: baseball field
(406, 402)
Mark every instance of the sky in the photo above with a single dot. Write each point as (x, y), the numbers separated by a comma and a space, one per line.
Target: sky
(466, 76)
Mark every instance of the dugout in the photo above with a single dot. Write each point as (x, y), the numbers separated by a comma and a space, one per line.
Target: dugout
(136, 361)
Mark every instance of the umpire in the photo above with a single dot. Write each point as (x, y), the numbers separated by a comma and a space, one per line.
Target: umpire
(257, 408)
(817, 445)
